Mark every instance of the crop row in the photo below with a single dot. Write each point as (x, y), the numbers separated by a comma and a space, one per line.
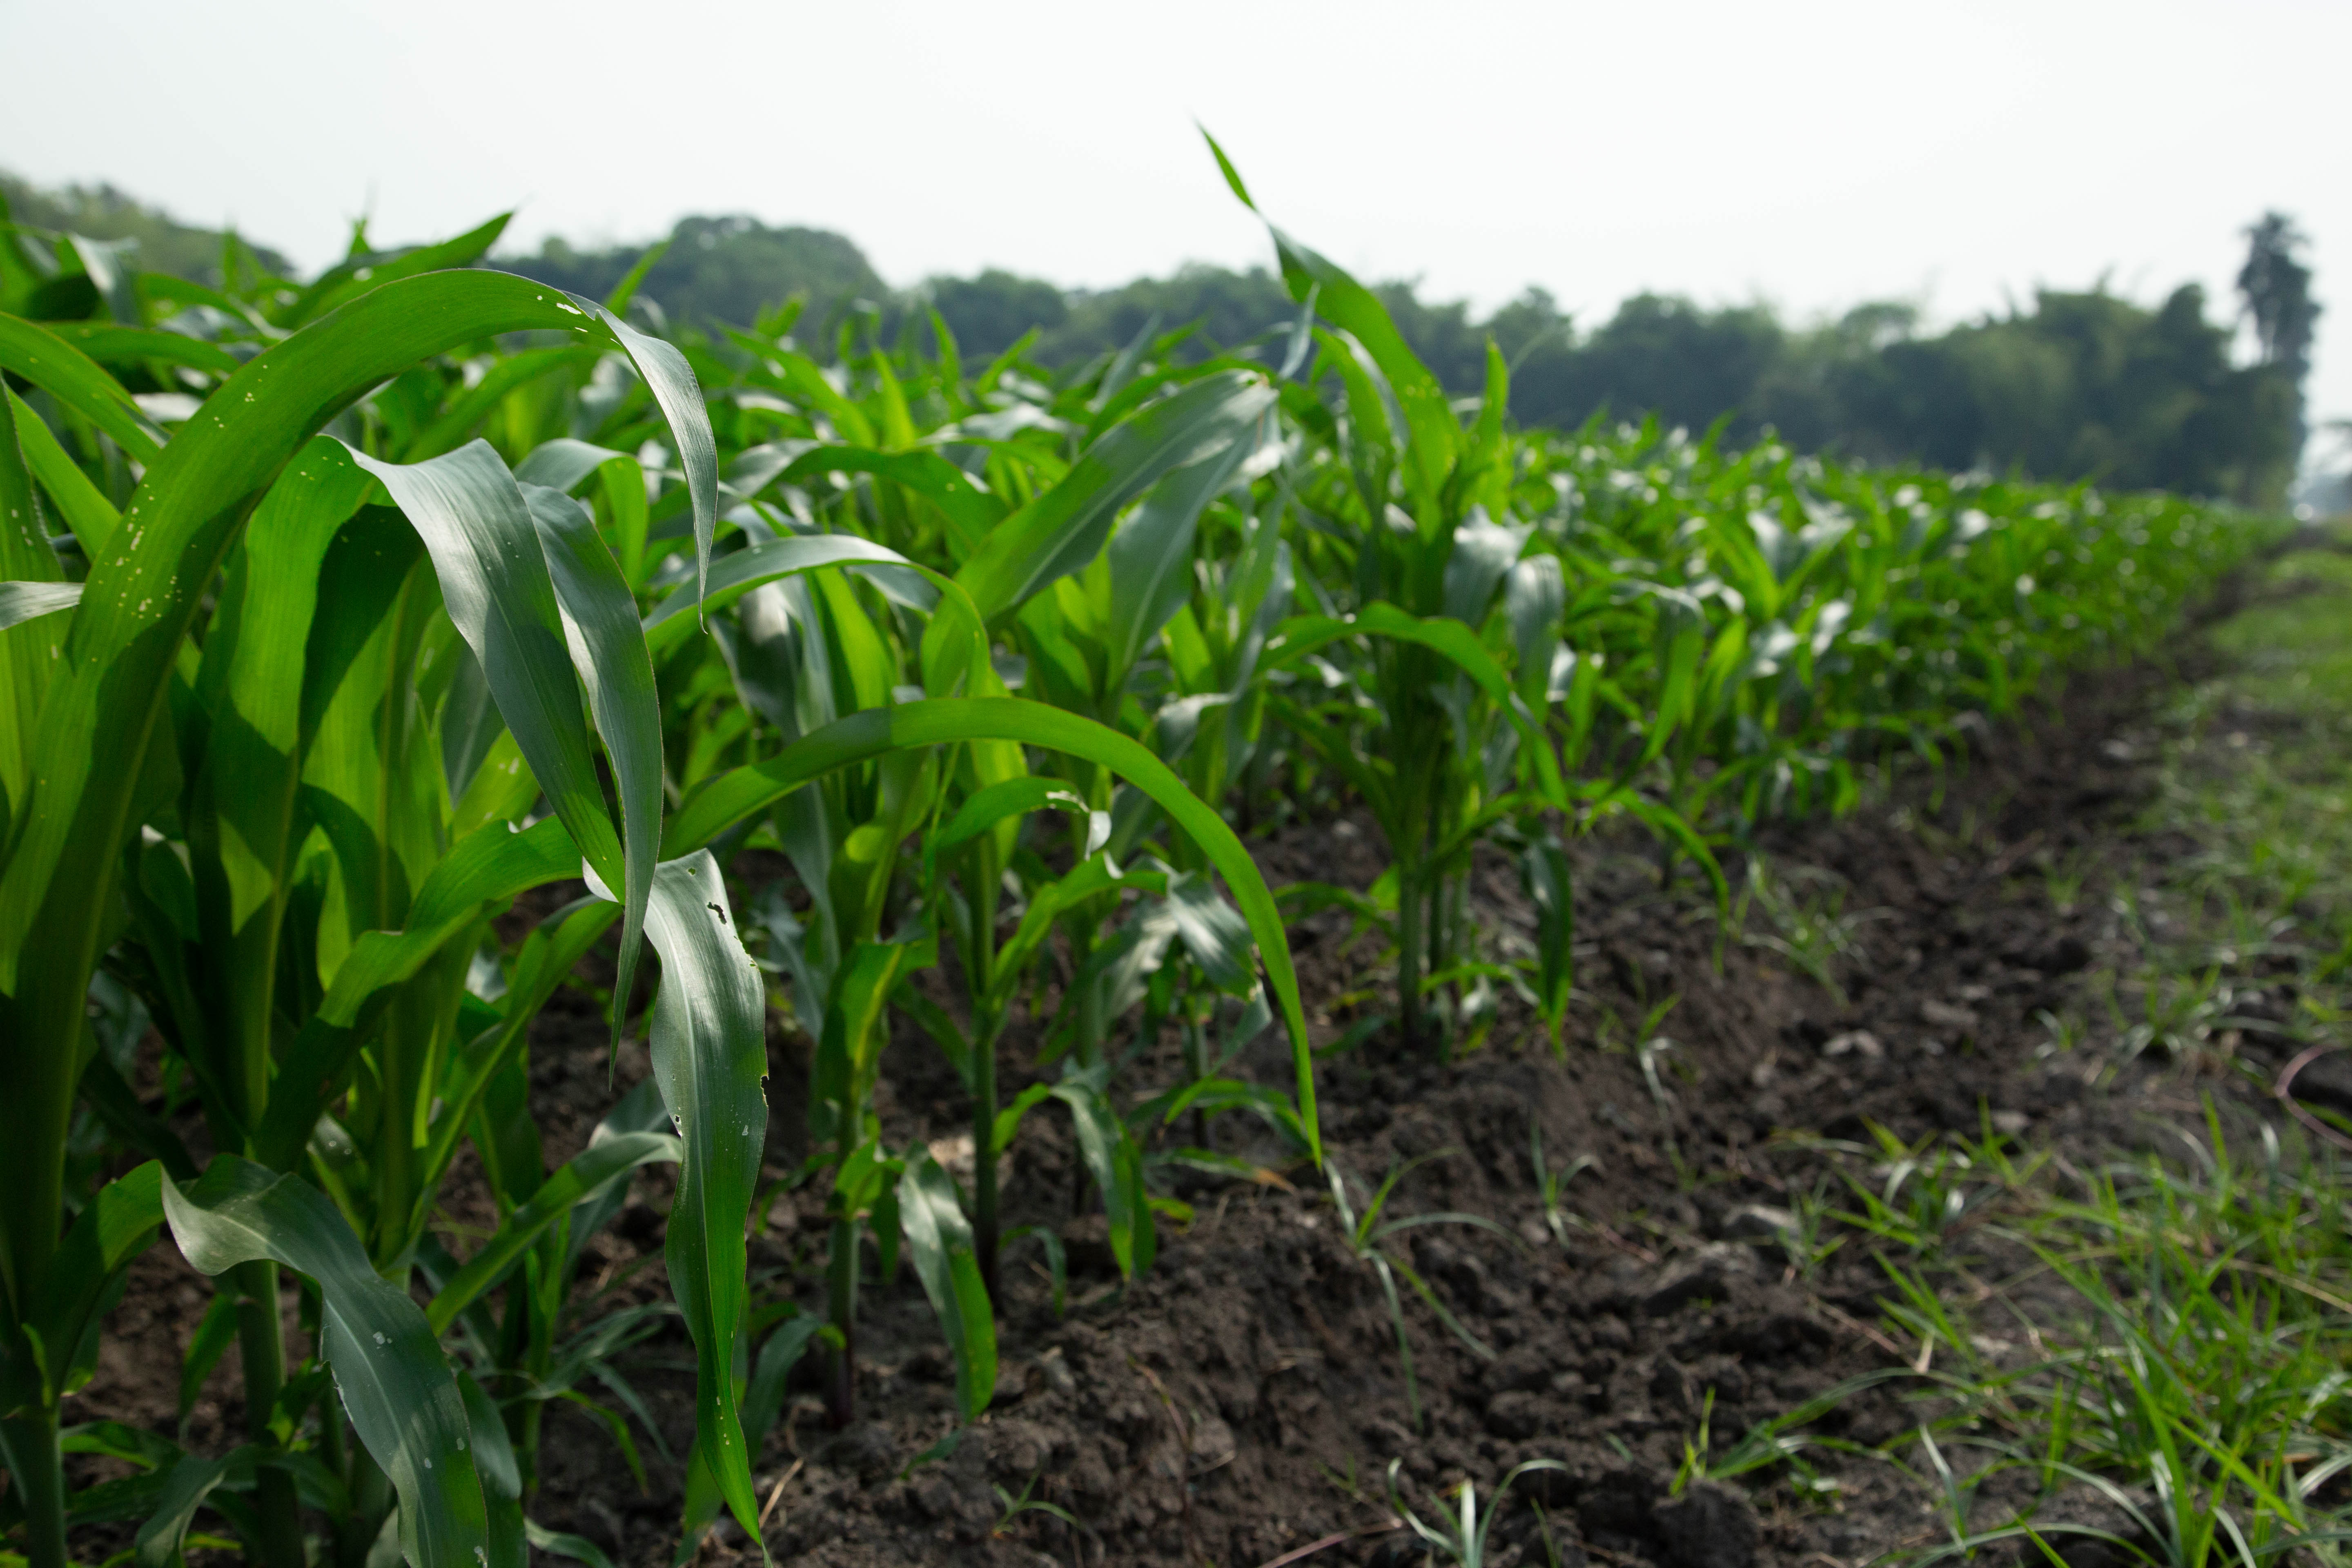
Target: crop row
(339, 615)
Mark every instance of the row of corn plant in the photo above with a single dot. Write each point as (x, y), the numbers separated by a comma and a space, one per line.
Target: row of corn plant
(341, 614)
(281, 752)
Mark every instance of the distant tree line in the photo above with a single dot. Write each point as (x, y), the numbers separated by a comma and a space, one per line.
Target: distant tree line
(102, 212)
(2076, 385)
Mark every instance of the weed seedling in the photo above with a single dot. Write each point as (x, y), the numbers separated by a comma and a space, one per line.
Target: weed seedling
(1461, 1540)
(1814, 933)
(1553, 1185)
(1365, 1236)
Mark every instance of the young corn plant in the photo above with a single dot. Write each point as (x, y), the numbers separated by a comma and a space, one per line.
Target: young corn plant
(1433, 734)
(801, 658)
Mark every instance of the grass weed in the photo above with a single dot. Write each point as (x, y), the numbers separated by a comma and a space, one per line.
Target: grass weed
(2150, 1357)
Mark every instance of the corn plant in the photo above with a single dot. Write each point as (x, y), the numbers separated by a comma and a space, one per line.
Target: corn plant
(1406, 508)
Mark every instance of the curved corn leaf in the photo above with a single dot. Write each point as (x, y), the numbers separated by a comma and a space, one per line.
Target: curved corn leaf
(90, 516)
(362, 274)
(671, 381)
(556, 1544)
(732, 575)
(110, 342)
(581, 1179)
(1672, 826)
(1064, 529)
(186, 1487)
(114, 1227)
(985, 807)
(1442, 635)
(1150, 557)
(1435, 436)
(496, 583)
(395, 1382)
(710, 1056)
(22, 602)
(970, 510)
(955, 645)
(76, 381)
(1116, 1163)
(939, 1244)
(865, 735)
(562, 463)
(535, 594)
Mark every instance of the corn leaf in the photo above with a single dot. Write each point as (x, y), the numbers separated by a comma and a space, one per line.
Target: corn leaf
(1117, 1166)
(1150, 557)
(488, 865)
(78, 383)
(363, 273)
(608, 647)
(709, 1054)
(1546, 874)
(247, 822)
(581, 1179)
(90, 514)
(1442, 635)
(186, 1487)
(22, 602)
(1064, 529)
(395, 1382)
(940, 1244)
(970, 509)
(501, 1477)
(114, 1227)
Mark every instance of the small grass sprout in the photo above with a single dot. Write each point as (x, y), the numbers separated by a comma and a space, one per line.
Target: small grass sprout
(1460, 1538)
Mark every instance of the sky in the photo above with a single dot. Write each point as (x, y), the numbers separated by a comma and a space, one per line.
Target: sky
(1808, 155)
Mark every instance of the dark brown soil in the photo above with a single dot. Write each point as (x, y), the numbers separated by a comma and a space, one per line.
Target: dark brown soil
(1245, 1400)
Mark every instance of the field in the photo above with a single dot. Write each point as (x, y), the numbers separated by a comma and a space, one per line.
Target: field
(757, 944)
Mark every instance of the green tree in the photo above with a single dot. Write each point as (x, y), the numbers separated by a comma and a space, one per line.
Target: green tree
(2277, 289)
(989, 313)
(720, 270)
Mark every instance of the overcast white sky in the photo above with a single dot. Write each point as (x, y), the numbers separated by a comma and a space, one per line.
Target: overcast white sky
(1810, 154)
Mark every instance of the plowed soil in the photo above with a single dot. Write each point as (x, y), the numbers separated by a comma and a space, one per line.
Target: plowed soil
(1243, 1401)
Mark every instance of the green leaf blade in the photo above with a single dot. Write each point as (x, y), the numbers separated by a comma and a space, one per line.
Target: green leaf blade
(394, 1379)
(709, 1054)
